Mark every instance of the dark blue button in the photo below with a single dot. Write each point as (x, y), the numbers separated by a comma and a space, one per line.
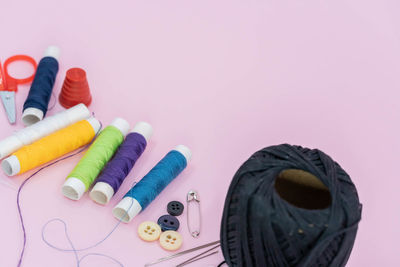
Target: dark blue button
(175, 208)
(168, 222)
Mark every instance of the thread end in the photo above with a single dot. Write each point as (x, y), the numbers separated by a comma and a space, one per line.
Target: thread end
(185, 151)
(126, 209)
(94, 123)
(101, 193)
(144, 129)
(31, 116)
(73, 188)
(121, 125)
(11, 166)
(52, 51)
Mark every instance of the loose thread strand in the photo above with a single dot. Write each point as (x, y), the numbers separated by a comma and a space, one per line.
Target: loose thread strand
(26, 180)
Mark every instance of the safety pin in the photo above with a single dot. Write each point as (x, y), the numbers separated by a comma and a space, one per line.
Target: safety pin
(199, 256)
(193, 196)
(181, 253)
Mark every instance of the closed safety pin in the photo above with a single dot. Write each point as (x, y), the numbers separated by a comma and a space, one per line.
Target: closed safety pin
(193, 197)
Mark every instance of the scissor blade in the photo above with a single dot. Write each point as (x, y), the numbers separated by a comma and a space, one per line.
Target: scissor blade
(8, 99)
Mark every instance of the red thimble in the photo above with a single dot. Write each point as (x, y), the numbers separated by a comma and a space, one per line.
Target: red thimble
(75, 89)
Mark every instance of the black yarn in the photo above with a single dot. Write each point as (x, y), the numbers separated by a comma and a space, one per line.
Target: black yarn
(42, 85)
(260, 228)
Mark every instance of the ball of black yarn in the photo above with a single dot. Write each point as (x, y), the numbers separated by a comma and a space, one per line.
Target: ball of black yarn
(271, 221)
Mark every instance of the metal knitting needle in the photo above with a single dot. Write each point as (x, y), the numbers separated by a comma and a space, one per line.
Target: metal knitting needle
(215, 252)
(198, 257)
(181, 253)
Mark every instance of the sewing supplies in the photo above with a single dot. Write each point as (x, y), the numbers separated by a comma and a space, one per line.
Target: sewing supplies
(290, 206)
(43, 128)
(51, 147)
(200, 256)
(75, 89)
(196, 258)
(192, 199)
(35, 106)
(94, 160)
(215, 243)
(9, 85)
(118, 168)
(170, 240)
(149, 231)
(20, 208)
(168, 222)
(175, 208)
(151, 185)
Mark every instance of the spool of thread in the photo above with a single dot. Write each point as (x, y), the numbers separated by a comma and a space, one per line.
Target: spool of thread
(75, 89)
(43, 128)
(51, 147)
(151, 185)
(116, 170)
(290, 206)
(35, 106)
(94, 160)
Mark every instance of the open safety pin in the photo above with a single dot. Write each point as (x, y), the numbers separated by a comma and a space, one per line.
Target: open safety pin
(193, 196)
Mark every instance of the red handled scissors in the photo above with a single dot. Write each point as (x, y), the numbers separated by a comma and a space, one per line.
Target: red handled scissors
(9, 84)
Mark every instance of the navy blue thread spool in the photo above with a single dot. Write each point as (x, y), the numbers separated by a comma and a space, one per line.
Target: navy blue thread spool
(35, 106)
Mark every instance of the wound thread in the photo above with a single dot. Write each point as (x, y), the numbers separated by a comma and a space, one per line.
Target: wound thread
(269, 220)
(122, 163)
(151, 185)
(97, 156)
(42, 85)
(34, 132)
(51, 147)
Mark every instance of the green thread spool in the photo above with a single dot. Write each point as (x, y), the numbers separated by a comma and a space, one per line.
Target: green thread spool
(94, 160)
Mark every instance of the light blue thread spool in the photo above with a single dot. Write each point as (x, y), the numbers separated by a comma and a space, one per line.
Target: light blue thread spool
(151, 185)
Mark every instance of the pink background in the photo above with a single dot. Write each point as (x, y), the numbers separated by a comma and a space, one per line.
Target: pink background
(226, 78)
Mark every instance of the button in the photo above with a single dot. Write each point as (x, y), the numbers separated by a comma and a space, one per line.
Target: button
(168, 222)
(149, 231)
(170, 240)
(175, 208)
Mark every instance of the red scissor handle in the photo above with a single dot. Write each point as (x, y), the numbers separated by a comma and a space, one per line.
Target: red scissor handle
(11, 82)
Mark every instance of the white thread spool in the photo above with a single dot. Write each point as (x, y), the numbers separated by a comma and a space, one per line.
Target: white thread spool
(74, 188)
(103, 192)
(129, 207)
(33, 115)
(11, 165)
(45, 127)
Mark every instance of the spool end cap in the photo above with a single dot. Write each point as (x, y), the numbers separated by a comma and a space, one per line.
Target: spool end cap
(144, 129)
(101, 193)
(73, 188)
(121, 125)
(11, 165)
(52, 51)
(95, 123)
(31, 116)
(126, 209)
(185, 151)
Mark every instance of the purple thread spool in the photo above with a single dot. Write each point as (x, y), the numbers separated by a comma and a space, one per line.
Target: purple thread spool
(112, 176)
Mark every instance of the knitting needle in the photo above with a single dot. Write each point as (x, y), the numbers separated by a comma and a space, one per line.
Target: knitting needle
(181, 253)
(197, 257)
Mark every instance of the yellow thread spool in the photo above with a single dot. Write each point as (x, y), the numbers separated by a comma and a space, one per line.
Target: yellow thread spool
(51, 147)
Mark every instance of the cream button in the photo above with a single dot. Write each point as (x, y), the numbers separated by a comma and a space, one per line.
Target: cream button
(149, 231)
(170, 240)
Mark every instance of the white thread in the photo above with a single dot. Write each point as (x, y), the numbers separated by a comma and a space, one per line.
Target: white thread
(43, 128)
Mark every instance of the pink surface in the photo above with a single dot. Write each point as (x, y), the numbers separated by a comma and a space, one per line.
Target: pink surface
(225, 78)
